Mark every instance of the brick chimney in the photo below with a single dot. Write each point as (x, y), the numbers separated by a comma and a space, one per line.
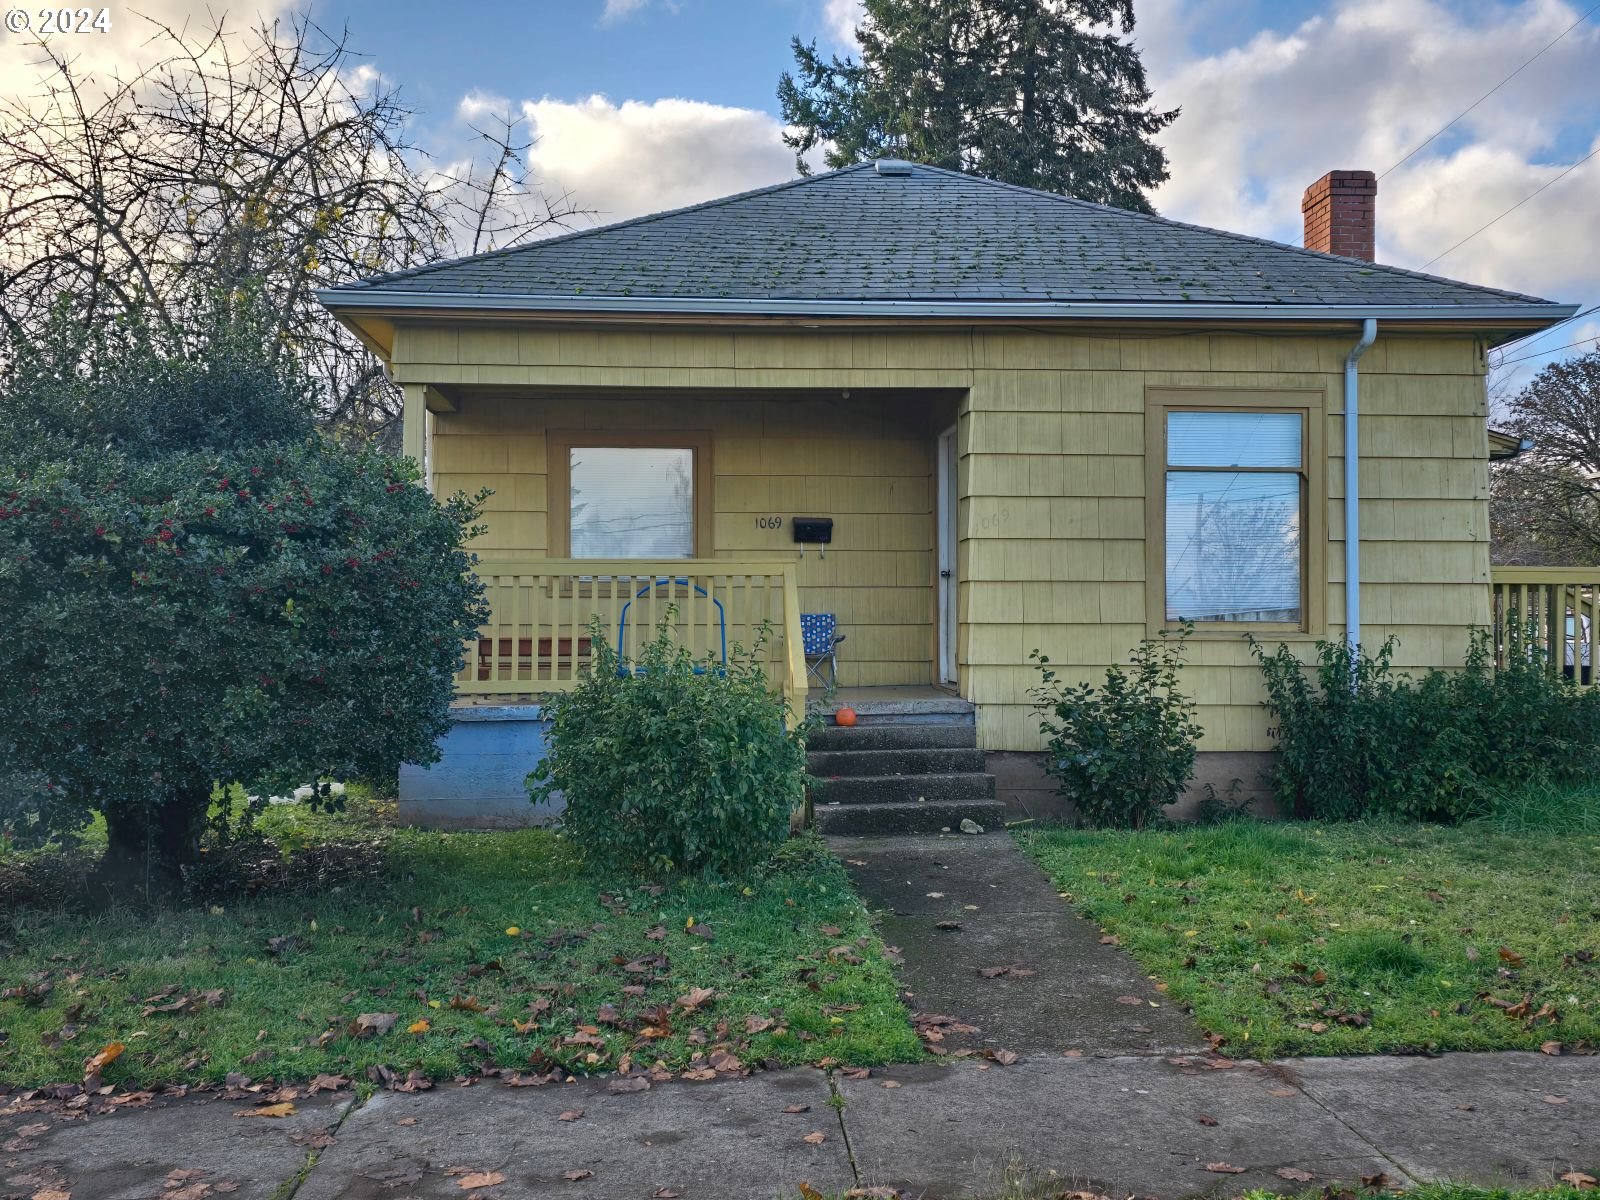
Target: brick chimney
(1340, 212)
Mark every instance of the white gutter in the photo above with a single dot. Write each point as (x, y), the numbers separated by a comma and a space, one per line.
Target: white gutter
(1352, 488)
(375, 299)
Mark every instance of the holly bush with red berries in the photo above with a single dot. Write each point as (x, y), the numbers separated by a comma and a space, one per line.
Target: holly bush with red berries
(268, 613)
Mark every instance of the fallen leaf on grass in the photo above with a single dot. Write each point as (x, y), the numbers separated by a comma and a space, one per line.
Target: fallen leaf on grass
(572, 1114)
(807, 1192)
(327, 1083)
(1222, 1168)
(1551, 1048)
(108, 1054)
(421, 1026)
(1579, 1180)
(577, 1174)
(1110, 939)
(830, 931)
(815, 1138)
(480, 1179)
(284, 1109)
(697, 998)
(371, 1024)
(1295, 1174)
(1510, 957)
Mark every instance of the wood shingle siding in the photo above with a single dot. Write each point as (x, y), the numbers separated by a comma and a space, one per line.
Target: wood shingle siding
(1051, 437)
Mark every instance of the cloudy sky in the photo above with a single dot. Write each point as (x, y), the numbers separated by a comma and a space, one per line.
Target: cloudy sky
(647, 104)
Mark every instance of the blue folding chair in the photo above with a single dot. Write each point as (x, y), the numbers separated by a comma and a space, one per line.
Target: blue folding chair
(820, 638)
(667, 581)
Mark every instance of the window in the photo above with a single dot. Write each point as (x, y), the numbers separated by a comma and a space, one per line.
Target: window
(627, 497)
(1233, 474)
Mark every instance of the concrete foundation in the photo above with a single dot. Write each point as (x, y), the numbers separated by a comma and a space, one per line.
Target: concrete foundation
(1235, 777)
(479, 780)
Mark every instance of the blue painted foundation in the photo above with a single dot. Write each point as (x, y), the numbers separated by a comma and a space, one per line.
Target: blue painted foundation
(478, 782)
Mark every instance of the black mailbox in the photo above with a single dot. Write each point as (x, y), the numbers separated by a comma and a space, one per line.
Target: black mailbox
(813, 529)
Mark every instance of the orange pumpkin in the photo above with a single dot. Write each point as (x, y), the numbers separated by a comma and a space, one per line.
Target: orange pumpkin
(845, 717)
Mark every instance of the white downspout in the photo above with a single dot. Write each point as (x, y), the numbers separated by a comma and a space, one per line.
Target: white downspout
(1352, 486)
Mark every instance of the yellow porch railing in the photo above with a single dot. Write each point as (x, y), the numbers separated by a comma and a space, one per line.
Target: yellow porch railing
(1556, 609)
(537, 639)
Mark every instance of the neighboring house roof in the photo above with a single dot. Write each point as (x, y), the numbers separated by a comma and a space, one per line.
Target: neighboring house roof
(908, 240)
(1504, 444)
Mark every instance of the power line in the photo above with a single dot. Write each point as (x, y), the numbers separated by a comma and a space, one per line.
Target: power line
(1549, 329)
(1510, 210)
(1446, 128)
(1506, 362)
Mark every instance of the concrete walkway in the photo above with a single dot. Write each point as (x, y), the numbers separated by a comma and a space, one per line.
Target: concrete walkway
(960, 908)
(1116, 1125)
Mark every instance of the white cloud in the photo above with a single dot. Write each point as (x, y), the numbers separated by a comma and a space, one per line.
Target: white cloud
(1361, 86)
(125, 49)
(619, 10)
(626, 159)
(840, 18)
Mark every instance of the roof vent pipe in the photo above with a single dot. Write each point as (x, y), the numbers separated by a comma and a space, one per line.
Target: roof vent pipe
(1352, 492)
(892, 166)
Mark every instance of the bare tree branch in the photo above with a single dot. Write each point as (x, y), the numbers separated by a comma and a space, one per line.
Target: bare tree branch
(270, 157)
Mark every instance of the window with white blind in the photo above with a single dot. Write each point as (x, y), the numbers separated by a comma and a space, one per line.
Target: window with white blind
(631, 501)
(1235, 504)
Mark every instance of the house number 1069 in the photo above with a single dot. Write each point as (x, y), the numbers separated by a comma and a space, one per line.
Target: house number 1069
(769, 522)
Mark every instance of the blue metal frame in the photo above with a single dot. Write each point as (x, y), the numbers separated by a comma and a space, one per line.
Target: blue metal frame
(722, 617)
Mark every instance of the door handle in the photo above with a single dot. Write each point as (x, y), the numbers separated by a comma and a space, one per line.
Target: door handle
(946, 573)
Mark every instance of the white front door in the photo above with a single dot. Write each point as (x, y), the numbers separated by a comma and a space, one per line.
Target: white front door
(947, 517)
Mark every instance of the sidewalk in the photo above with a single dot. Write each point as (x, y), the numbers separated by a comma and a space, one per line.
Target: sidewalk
(1116, 1125)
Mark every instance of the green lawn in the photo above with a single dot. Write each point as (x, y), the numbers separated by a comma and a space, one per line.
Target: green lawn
(1349, 939)
(495, 947)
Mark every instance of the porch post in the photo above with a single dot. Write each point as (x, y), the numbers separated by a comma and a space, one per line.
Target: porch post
(414, 426)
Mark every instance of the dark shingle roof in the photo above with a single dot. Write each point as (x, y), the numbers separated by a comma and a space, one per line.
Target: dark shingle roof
(860, 236)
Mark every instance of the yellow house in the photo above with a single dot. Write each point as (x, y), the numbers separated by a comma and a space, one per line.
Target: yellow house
(1021, 421)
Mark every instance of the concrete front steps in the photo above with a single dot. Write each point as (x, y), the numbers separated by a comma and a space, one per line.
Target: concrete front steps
(894, 773)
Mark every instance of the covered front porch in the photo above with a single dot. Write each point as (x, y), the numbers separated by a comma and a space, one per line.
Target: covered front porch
(615, 510)
(611, 504)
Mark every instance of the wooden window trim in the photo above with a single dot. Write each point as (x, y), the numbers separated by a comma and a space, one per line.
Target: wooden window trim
(559, 444)
(1311, 403)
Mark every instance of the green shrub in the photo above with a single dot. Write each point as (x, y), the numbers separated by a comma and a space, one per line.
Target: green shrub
(199, 589)
(1358, 738)
(1124, 751)
(672, 764)
(270, 617)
